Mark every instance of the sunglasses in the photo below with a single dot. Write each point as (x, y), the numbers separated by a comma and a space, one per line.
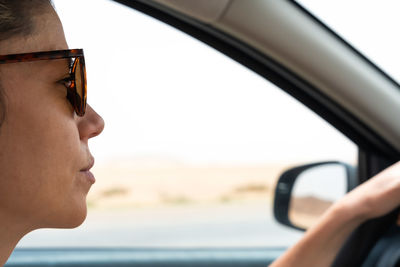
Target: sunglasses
(76, 90)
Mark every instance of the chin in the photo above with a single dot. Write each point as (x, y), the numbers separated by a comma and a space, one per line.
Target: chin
(70, 217)
(75, 218)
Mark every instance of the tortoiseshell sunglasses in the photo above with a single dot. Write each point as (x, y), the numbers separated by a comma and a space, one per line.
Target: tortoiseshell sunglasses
(76, 90)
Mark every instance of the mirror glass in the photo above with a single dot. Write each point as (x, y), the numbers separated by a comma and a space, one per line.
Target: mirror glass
(314, 191)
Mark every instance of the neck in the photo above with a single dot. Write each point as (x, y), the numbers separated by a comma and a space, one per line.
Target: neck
(10, 234)
(6, 248)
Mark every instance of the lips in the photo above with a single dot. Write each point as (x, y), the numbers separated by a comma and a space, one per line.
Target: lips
(86, 171)
(89, 166)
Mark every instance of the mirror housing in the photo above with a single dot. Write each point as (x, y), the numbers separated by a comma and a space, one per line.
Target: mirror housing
(284, 192)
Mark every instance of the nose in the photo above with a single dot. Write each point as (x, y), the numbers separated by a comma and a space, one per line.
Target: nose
(90, 125)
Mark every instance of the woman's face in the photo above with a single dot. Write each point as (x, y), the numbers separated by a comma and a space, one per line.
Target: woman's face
(43, 143)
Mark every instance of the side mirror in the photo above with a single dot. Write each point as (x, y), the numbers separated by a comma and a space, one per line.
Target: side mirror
(303, 193)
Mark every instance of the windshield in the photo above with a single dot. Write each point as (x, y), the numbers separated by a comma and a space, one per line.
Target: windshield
(369, 26)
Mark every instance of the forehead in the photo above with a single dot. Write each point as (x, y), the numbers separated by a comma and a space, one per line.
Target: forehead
(47, 35)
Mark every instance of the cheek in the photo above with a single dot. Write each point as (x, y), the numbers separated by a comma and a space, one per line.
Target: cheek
(39, 159)
(39, 162)
(38, 127)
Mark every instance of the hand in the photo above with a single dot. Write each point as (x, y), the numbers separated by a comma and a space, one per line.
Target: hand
(376, 197)
(321, 243)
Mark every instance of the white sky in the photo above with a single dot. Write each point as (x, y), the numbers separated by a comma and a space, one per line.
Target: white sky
(163, 94)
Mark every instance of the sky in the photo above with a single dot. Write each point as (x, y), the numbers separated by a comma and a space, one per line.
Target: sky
(166, 96)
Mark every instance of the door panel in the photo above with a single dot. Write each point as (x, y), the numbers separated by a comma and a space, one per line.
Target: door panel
(252, 257)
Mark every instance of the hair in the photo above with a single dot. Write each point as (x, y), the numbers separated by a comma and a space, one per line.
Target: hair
(16, 16)
(16, 19)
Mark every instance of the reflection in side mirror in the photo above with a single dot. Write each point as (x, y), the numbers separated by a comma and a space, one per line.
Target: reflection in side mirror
(314, 191)
(304, 193)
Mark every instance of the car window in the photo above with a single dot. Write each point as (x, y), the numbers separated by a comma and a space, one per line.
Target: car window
(370, 26)
(193, 144)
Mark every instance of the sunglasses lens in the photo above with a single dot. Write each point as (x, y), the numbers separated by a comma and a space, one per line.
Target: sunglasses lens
(80, 84)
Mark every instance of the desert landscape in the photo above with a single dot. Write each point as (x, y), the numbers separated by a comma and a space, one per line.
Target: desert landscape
(149, 183)
(304, 211)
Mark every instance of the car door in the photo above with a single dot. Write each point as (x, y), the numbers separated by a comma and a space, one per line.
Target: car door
(196, 149)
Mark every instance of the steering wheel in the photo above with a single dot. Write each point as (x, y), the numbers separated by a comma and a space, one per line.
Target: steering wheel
(374, 243)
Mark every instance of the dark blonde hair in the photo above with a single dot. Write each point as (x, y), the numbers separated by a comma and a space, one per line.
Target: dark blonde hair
(16, 16)
(16, 19)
